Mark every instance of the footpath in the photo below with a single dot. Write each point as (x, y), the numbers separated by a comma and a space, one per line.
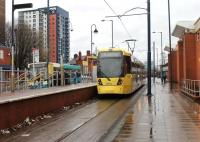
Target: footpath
(166, 116)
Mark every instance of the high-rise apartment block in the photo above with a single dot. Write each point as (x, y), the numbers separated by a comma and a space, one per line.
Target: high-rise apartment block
(59, 43)
(2, 22)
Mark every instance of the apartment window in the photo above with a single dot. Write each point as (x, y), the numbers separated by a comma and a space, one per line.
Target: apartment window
(1, 54)
(34, 20)
(34, 16)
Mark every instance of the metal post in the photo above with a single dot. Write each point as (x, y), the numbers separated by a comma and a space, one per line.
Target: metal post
(26, 80)
(112, 33)
(33, 62)
(12, 50)
(62, 71)
(47, 54)
(90, 53)
(157, 58)
(170, 45)
(18, 79)
(161, 68)
(91, 39)
(14, 7)
(128, 45)
(134, 44)
(95, 31)
(1, 76)
(149, 48)
(154, 68)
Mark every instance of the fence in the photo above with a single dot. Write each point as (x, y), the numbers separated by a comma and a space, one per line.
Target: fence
(191, 87)
(25, 79)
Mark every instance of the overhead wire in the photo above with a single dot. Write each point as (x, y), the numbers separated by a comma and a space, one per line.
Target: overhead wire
(118, 18)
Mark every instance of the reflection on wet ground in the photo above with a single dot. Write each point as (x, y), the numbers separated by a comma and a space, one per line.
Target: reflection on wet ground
(164, 117)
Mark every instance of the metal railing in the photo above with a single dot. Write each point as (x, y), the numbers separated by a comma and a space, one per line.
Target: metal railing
(26, 80)
(191, 87)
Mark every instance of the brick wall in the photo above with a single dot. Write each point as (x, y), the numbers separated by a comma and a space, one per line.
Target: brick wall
(198, 55)
(6, 60)
(189, 56)
(173, 58)
(180, 61)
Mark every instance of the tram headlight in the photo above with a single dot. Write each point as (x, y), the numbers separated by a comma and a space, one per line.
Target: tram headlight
(100, 82)
(120, 81)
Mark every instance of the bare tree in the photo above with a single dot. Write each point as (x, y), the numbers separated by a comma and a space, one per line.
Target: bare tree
(8, 35)
(25, 38)
(42, 51)
(24, 45)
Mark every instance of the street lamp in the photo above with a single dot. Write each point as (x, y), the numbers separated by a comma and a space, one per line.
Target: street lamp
(161, 68)
(127, 41)
(15, 7)
(149, 47)
(112, 29)
(95, 31)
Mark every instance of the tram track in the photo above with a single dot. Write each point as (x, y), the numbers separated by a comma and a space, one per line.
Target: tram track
(108, 122)
(90, 122)
(66, 134)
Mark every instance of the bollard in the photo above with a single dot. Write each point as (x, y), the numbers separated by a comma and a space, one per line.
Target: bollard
(25, 78)
(17, 78)
(1, 76)
(52, 79)
(199, 87)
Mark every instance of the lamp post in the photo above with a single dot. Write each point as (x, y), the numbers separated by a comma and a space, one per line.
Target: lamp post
(95, 31)
(161, 68)
(14, 7)
(154, 64)
(47, 50)
(112, 30)
(149, 47)
(157, 59)
(170, 44)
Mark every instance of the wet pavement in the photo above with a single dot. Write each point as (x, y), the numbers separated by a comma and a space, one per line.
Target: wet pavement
(164, 117)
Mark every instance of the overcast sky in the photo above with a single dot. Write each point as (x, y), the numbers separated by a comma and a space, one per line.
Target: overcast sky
(84, 13)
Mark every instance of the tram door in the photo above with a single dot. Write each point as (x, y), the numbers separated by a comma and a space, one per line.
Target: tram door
(128, 77)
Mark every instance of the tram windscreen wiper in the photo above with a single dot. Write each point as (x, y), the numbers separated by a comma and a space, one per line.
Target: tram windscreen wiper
(105, 75)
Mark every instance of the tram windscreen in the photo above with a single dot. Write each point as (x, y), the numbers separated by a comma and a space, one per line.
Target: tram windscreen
(110, 64)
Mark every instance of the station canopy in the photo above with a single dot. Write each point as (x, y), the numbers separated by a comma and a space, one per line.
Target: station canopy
(182, 27)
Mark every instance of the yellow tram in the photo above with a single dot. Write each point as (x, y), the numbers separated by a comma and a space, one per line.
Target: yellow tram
(116, 73)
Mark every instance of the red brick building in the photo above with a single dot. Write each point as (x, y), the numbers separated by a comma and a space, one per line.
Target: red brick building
(86, 61)
(186, 56)
(5, 58)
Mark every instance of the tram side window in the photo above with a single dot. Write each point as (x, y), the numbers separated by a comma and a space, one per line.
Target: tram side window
(127, 64)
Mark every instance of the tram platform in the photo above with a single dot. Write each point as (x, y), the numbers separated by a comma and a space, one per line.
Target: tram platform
(16, 106)
(166, 116)
(19, 95)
